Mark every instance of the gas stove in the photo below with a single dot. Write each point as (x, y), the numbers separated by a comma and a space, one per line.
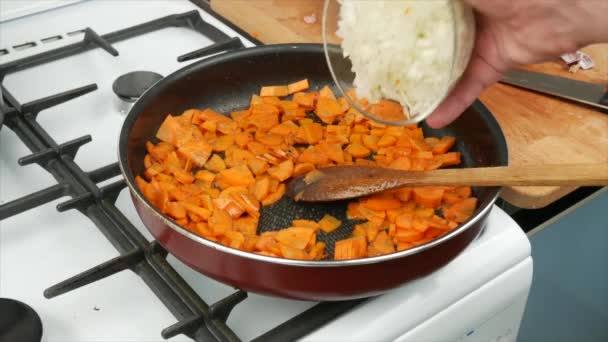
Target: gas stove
(73, 248)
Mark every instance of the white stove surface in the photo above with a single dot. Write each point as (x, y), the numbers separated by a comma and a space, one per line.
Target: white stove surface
(42, 247)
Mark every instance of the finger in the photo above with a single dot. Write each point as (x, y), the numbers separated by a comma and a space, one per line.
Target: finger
(478, 75)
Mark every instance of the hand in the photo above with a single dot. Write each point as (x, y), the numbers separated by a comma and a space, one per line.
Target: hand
(517, 32)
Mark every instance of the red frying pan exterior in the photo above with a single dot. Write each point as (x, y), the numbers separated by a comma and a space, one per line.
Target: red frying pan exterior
(229, 80)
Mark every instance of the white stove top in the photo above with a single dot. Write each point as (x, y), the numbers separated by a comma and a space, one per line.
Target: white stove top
(42, 247)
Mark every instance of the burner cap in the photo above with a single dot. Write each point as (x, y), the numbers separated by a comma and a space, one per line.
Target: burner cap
(19, 322)
(131, 86)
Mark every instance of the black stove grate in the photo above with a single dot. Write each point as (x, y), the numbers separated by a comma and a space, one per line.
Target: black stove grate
(196, 319)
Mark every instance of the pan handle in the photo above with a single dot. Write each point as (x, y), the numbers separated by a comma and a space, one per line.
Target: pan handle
(228, 45)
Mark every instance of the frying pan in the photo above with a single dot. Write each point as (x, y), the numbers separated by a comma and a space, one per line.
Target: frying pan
(225, 83)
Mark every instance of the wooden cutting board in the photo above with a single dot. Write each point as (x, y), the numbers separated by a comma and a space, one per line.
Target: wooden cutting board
(539, 129)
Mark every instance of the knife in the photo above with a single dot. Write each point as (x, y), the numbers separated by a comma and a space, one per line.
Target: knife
(583, 92)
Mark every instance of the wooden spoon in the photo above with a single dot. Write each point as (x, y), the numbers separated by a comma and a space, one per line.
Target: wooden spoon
(344, 182)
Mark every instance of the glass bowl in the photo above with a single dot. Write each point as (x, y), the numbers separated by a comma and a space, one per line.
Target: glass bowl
(423, 45)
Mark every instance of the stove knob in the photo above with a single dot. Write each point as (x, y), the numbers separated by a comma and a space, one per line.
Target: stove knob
(131, 86)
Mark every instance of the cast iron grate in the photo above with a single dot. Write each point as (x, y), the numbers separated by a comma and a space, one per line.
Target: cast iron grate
(196, 319)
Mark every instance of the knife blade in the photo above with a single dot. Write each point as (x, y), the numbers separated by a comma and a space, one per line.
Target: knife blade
(583, 92)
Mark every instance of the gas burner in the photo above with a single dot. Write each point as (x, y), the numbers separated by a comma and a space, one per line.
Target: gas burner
(130, 86)
(19, 322)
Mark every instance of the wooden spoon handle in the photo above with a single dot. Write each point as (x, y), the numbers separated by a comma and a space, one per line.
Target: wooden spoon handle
(529, 175)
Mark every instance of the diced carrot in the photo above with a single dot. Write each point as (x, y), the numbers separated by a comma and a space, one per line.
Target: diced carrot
(262, 187)
(408, 235)
(298, 86)
(329, 223)
(328, 110)
(451, 196)
(205, 176)
(222, 143)
(209, 126)
(303, 168)
(175, 210)
(268, 139)
(284, 129)
(310, 133)
(293, 114)
(306, 223)
(256, 147)
(332, 151)
(202, 229)
(229, 206)
(159, 151)
(374, 217)
(238, 175)
(257, 166)
(438, 222)
(404, 220)
(249, 202)
(211, 115)
(401, 246)
(358, 150)
(246, 225)
(424, 212)
(293, 253)
(203, 213)
(352, 248)
(386, 140)
(371, 141)
(249, 243)
(305, 100)
(282, 171)
(364, 162)
(421, 241)
(318, 251)
(392, 230)
(387, 110)
(255, 99)
(371, 231)
(402, 163)
(274, 196)
(344, 104)
(288, 105)
(353, 212)
(326, 93)
(444, 145)
(380, 132)
(239, 114)
(227, 127)
(383, 243)
(359, 230)
(215, 164)
(264, 116)
(460, 211)
(381, 202)
(241, 139)
(404, 194)
(296, 237)
(450, 159)
(196, 151)
(167, 131)
(237, 239)
(272, 100)
(429, 197)
(420, 223)
(274, 91)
